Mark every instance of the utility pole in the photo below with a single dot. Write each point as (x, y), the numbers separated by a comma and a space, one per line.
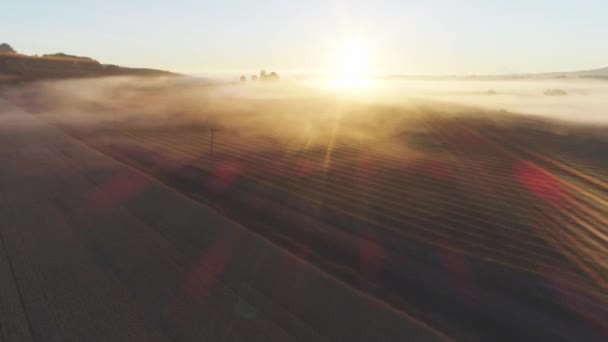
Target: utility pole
(211, 145)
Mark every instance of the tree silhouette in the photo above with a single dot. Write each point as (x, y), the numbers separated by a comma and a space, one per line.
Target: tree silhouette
(274, 77)
(5, 48)
(264, 76)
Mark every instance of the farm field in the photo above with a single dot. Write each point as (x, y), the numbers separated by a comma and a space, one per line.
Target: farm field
(93, 250)
(483, 225)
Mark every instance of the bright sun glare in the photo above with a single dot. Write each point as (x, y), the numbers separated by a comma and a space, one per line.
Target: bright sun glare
(352, 66)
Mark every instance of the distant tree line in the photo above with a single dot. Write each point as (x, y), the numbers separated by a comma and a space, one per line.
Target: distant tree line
(7, 49)
(264, 76)
(62, 55)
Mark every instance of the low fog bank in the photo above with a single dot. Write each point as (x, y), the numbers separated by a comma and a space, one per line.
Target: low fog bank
(306, 110)
(285, 110)
(584, 101)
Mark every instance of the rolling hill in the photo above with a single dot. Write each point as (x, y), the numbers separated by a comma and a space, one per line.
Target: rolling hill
(601, 73)
(15, 67)
(594, 73)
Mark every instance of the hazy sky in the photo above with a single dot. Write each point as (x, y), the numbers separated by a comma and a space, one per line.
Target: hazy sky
(421, 37)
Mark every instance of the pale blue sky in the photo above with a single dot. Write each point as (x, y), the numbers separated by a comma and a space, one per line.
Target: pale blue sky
(422, 37)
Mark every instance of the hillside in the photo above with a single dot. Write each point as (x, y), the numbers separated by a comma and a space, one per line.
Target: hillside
(16, 67)
(594, 73)
(601, 73)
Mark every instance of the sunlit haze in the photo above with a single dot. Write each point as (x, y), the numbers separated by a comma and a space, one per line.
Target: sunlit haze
(312, 170)
(399, 37)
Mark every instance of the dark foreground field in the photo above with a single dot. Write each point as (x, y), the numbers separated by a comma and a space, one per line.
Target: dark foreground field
(481, 224)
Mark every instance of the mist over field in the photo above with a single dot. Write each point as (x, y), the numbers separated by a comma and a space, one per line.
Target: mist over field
(310, 103)
(586, 100)
(304, 171)
(383, 117)
(377, 185)
(308, 110)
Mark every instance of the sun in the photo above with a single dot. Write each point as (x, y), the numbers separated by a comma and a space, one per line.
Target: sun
(353, 60)
(352, 65)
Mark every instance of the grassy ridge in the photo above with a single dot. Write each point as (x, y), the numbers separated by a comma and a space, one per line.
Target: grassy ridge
(17, 67)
